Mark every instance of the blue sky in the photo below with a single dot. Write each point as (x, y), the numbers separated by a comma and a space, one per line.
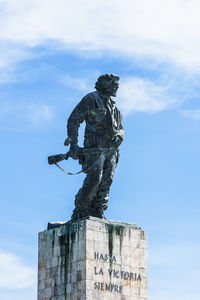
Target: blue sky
(51, 53)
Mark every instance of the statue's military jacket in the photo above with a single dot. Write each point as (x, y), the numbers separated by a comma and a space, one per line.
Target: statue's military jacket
(103, 121)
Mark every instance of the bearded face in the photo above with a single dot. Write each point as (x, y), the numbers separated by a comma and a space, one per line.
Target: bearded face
(112, 88)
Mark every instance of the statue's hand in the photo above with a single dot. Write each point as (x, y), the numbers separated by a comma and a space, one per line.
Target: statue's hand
(117, 140)
(74, 151)
(66, 142)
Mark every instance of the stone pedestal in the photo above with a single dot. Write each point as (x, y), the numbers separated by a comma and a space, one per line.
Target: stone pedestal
(93, 259)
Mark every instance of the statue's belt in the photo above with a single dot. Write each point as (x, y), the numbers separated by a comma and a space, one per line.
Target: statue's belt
(54, 159)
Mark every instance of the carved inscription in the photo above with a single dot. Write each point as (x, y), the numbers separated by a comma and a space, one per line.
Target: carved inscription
(104, 257)
(124, 275)
(98, 272)
(112, 288)
(113, 273)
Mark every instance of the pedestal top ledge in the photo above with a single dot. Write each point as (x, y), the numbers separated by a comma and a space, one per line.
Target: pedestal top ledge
(52, 225)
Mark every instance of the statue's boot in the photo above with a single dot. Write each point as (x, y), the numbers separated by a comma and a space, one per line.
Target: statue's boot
(78, 215)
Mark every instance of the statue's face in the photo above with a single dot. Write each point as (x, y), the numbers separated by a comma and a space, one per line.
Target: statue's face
(113, 87)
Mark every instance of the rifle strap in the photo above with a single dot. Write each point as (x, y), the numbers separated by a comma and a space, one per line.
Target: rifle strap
(66, 171)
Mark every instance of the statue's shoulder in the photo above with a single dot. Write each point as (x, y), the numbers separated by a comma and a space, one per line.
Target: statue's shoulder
(89, 100)
(90, 96)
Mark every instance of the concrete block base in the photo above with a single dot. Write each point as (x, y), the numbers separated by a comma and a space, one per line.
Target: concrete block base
(93, 259)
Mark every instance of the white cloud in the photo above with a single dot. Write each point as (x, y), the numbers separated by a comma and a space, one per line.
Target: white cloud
(159, 30)
(13, 273)
(39, 114)
(174, 272)
(84, 83)
(137, 94)
(33, 113)
(167, 293)
(77, 83)
(20, 294)
(192, 113)
(11, 53)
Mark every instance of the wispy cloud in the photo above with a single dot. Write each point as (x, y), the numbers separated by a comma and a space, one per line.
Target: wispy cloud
(39, 114)
(158, 30)
(167, 262)
(133, 29)
(12, 52)
(36, 114)
(137, 94)
(192, 113)
(14, 274)
(83, 83)
(77, 83)
(22, 294)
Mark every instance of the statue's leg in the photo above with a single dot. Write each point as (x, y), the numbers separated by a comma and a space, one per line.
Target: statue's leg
(100, 202)
(94, 170)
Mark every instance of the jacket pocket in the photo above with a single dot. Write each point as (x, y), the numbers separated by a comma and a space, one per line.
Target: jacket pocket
(96, 116)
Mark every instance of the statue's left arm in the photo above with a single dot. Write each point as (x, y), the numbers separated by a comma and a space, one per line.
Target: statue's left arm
(119, 136)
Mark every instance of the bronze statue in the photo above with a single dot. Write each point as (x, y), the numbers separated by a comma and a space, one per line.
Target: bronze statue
(99, 157)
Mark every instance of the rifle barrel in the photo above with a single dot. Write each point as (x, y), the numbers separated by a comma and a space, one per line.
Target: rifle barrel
(56, 158)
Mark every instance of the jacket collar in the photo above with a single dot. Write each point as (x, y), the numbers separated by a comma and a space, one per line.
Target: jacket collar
(109, 99)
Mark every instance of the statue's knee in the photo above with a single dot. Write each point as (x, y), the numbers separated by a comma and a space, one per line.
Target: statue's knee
(96, 177)
(106, 183)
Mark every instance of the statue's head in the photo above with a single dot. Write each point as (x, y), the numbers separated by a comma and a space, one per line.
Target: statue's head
(107, 84)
